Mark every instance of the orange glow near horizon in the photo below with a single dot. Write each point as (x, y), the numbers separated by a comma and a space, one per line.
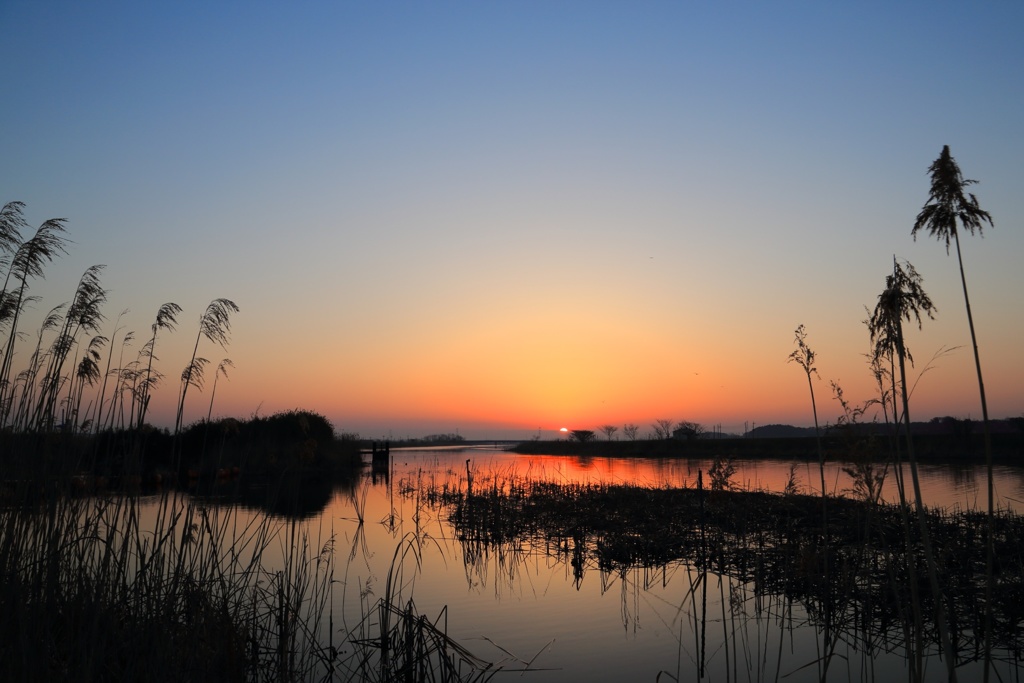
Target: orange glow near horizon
(490, 374)
(525, 364)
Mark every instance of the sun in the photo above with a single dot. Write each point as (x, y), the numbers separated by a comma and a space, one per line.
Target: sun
(564, 429)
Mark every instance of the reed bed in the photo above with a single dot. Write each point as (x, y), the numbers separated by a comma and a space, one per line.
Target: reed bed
(774, 546)
(93, 590)
(171, 589)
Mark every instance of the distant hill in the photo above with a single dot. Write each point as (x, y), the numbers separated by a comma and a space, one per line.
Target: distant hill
(779, 432)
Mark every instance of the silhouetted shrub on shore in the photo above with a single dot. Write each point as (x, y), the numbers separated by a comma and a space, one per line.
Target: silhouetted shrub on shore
(294, 441)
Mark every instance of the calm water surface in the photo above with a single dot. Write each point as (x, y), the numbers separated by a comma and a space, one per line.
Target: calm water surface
(666, 623)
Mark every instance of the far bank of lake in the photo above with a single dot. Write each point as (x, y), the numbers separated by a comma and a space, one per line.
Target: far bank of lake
(967, 446)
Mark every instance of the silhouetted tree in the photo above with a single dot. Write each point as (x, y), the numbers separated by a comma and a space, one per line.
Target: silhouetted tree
(663, 428)
(688, 430)
(581, 435)
(630, 430)
(609, 430)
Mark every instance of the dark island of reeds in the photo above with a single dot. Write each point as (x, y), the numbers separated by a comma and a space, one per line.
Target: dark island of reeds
(862, 575)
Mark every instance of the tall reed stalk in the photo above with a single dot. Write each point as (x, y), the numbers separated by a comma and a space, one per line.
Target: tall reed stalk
(166, 319)
(905, 298)
(26, 262)
(215, 325)
(102, 397)
(804, 357)
(949, 203)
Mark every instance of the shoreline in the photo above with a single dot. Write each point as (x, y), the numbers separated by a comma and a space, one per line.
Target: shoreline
(966, 449)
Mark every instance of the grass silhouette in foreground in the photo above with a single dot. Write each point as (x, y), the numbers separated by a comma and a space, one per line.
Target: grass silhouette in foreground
(905, 298)
(948, 204)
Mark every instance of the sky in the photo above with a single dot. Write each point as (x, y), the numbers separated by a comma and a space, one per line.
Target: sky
(505, 218)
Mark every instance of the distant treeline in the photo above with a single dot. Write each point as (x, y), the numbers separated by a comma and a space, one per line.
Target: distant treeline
(939, 425)
(429, 440)
(294, 442)
(939, 439)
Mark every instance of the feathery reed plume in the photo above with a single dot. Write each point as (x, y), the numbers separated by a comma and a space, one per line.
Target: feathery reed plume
(166, 319)
(12, 221)
(27, 263)
(804, 357)
(27, 377)
(192, 375)
(98, 413)
(87, 374)
(214, 324)
(83, 315)
(947, 204)
(119, 373)
(128, 380)
(222, 369)
(905, 298)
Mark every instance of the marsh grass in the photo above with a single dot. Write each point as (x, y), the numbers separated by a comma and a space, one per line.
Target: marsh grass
(950, 203)
(171, 589)
(95, 591)
(766, 548)
(394, 641)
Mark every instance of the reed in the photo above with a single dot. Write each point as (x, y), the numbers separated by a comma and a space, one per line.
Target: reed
(215, 325)
(396, 642)
(804, 357)
(948, 204)
(98, 586)
(766, 542)
(905, 298)
(48, 393)
(105, 588)
(166, 319)
(24, 260)
(111, 588)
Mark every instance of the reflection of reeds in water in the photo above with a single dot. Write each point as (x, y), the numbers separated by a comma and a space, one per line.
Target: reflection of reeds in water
(395, 642)
(766, 550)
(91, 590)
(96, 589)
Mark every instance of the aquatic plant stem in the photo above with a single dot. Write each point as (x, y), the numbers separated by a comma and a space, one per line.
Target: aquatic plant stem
(987, 435)
(933, 580)
(804, 357)
(949, 203)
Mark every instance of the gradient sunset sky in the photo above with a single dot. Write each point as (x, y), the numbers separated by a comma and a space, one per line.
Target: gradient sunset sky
(501, 217)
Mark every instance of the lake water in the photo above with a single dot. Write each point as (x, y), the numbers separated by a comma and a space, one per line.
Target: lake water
(528, 606)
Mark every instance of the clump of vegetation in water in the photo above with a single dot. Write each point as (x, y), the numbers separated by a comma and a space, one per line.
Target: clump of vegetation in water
(766, 540)
(97, 585)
